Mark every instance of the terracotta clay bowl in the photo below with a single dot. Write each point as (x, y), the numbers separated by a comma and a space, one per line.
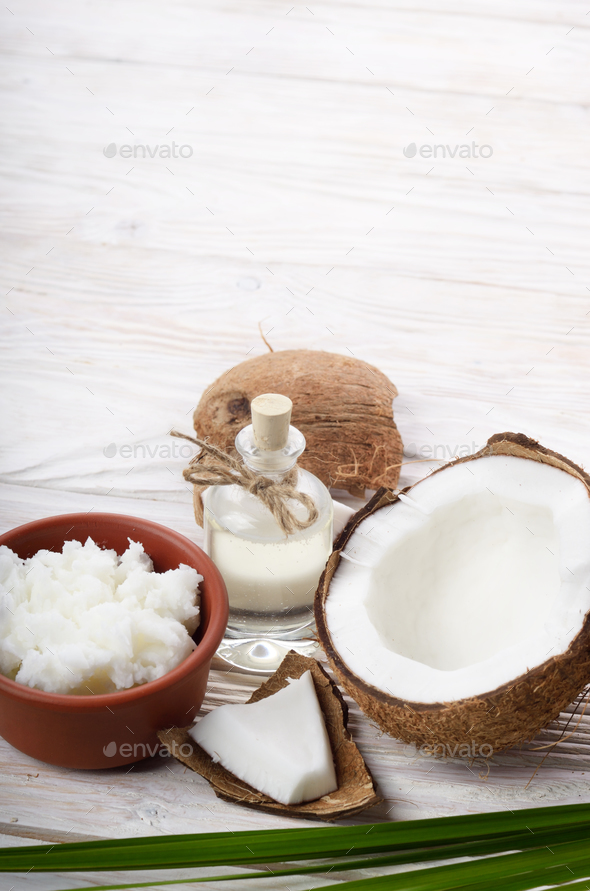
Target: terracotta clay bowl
(111, 729)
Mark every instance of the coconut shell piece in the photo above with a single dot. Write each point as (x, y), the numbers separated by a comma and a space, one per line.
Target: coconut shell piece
(507, 716)
(356, 789)
(342, 406)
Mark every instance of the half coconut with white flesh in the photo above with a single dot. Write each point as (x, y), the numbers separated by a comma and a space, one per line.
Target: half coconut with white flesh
(457, 613)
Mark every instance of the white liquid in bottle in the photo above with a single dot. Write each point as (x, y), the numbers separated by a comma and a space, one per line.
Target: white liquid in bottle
(271, 577)
(270, 584)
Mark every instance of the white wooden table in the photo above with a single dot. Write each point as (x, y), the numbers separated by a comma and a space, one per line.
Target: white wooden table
(132, 282)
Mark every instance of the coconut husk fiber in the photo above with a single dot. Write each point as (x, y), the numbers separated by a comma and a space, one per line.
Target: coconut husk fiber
(342, 405)
(356, 789)
(498, 719)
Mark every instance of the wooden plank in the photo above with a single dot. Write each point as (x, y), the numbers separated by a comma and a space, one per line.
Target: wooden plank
(41, 836)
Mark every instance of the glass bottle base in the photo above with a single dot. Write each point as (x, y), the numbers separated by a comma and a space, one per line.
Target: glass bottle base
(262, 655)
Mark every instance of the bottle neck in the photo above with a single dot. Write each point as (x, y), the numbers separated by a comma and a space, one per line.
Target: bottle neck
(270, 463)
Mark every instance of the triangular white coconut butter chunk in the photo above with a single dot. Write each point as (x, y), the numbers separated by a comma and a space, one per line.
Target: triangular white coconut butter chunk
(278, 745)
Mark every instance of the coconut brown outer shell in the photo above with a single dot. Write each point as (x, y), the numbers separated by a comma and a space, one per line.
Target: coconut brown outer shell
(513, 713)
(341, 405)
(356, 789)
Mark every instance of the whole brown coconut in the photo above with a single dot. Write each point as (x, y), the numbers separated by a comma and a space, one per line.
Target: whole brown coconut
(341, 405)
(496, 719)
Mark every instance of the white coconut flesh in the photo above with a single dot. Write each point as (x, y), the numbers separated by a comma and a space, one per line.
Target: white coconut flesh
(479, 574)
(278, 745)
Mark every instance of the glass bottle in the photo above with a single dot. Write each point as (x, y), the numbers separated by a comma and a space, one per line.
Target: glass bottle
(271, 576)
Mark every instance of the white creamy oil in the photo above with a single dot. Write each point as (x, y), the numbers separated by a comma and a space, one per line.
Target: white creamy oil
(89, 621)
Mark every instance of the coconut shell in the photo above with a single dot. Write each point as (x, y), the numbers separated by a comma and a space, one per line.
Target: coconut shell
(507, 716)
(341, 405)
(356, 789)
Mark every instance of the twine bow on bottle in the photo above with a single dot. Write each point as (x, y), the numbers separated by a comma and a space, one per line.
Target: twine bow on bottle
(223, 470)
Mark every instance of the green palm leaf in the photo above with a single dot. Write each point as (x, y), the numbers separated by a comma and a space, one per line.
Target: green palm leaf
(521, 871)
(441, 852)
(274, 845)
(549, 841)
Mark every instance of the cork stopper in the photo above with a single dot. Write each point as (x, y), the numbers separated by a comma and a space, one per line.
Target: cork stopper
(271, 416)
